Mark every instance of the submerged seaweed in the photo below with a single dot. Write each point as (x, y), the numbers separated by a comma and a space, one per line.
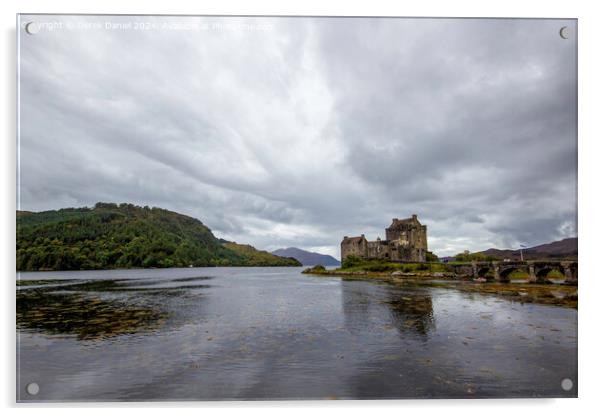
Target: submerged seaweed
(81, 315)
(92, 309)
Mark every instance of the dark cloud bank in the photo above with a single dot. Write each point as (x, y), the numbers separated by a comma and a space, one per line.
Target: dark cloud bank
(294, 132)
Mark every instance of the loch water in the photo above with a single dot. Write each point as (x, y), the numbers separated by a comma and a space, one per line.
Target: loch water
(274, 333)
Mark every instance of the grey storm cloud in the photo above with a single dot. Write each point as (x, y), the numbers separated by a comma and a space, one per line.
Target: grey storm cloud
(297, 131)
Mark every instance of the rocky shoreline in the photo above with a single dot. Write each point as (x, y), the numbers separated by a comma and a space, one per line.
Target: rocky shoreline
(519, 291)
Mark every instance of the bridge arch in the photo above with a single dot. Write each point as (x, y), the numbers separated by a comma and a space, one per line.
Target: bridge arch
(545, 271)
(485, 271)
(541, 272)
(505, 271)
(565, 272)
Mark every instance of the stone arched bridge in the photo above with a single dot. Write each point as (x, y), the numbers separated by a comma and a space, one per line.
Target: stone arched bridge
(500, 270)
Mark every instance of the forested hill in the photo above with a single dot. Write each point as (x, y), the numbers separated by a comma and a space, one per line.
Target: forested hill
(110, 236)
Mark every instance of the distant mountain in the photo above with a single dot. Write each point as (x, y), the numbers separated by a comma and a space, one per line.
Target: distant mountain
(110, 236)
(563, 249)
(307, 258)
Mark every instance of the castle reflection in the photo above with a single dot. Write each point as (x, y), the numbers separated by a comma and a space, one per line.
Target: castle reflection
(410, 311)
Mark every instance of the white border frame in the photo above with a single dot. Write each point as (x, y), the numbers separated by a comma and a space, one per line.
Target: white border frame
(590, 31)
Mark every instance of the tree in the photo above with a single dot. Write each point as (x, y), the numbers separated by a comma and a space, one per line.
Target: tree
(351, 261)
(431, 257)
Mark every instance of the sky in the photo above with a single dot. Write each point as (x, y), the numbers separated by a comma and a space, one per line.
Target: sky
(281, 132)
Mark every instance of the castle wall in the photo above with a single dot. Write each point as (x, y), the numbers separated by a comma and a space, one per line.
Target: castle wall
(354, 246)
(405, 241)
(379, 250)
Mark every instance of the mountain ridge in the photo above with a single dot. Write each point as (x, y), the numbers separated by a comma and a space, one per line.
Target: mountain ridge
(307, 258)
(566, 248)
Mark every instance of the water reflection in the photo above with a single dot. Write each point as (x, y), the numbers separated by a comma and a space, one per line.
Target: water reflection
(358, 303)
(274, 333)
(411, 312)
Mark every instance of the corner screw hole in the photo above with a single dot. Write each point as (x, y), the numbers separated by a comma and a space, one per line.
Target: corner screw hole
(567, 384)
(33, 389)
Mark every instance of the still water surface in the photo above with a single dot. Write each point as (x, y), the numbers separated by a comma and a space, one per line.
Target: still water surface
(274, 333)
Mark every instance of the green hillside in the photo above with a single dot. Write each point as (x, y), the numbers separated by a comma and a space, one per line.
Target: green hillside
(112, 236)
(255, 257)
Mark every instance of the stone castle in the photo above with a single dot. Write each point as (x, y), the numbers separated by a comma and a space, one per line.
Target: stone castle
(405, 241)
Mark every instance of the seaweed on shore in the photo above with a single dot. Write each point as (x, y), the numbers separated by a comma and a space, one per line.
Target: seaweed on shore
(524, 292)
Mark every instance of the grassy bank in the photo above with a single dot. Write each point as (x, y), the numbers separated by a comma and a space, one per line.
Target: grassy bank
(383, 269)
